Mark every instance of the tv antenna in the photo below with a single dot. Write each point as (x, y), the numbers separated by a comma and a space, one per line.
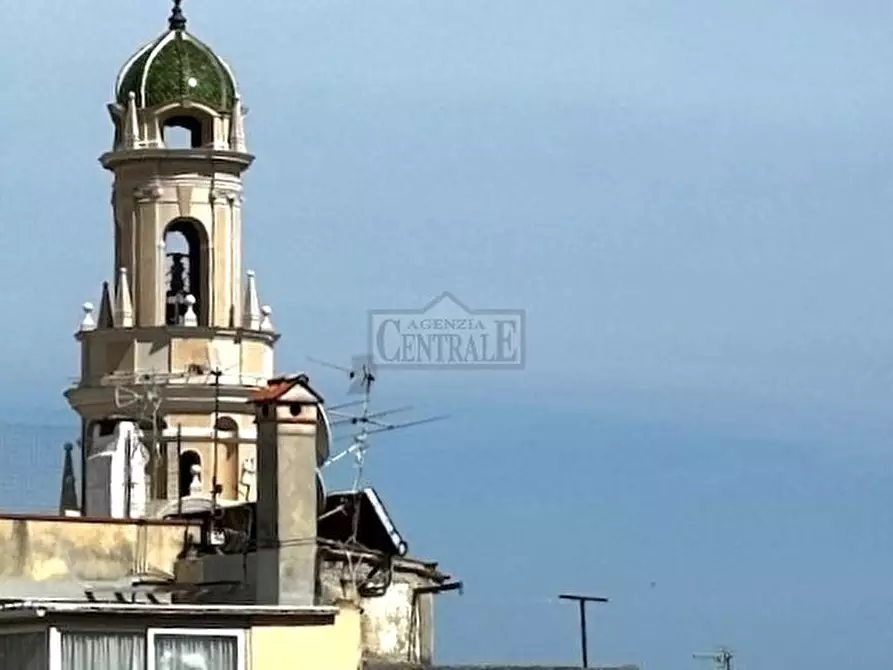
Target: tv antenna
(722, 658)
(215, 370)
(363, 376)
(142, 391)
(361, 373)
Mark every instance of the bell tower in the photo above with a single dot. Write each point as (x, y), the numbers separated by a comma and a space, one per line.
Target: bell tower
(180, 339)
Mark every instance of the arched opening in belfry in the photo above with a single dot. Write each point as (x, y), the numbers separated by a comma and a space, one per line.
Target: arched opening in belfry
(182, 132)
(184, 250)
(188, 462)
(227, 424)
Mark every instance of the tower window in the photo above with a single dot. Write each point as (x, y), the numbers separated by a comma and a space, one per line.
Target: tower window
(228, 424)
(184, 270)
(107, 427)
(188, 459)
(182, 132)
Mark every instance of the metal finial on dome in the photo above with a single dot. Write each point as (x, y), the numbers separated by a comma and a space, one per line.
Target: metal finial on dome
(177, 20)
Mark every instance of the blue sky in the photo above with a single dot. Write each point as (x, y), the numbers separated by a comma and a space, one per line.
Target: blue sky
(692, 201)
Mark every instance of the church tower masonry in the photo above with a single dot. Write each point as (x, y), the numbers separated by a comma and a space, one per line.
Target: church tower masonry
(180, 339)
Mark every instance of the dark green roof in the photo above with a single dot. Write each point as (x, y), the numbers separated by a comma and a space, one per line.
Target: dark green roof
(176, 67)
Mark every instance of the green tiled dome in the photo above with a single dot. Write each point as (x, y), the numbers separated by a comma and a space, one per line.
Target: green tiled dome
(176, 67)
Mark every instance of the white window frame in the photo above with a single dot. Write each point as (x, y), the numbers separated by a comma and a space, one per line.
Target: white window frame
(55, 655)
(237, 633)
(55, 637)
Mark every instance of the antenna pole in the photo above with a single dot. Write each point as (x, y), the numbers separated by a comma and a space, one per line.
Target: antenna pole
(155, 455)
(179, 473)
(583, 601)
(217, 372)
(128, 476)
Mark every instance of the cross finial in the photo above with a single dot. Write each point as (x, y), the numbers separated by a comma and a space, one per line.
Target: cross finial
(177, 20)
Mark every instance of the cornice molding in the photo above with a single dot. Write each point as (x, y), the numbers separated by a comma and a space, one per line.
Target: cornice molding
(170, 333)
(97, 402)
(113, 159)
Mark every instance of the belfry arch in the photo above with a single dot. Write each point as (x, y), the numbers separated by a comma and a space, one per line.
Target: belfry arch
(185, 270)
(175, 129)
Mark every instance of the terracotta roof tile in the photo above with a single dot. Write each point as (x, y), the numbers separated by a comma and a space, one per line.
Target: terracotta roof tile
(278, 387)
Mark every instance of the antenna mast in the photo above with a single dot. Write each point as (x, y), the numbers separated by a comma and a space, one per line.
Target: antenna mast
(216, 373)
(215, 537)
(362, 376)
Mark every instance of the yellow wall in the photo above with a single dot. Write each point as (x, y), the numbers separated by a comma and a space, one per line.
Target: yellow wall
(45, 548)
(334, 647)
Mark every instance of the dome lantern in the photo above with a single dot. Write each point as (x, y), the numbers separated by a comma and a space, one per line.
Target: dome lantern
(177, 67)
(177, 81)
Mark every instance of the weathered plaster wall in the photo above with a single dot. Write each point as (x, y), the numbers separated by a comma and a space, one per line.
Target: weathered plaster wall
(393, 628)
(47, 548)
(396, 627)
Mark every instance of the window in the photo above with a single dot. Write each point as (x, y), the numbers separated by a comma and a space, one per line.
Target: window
(156, 649)
(228, 424)
(103, 651)
(188, 459)
(182, 132)
(191, 649)
(23, 650)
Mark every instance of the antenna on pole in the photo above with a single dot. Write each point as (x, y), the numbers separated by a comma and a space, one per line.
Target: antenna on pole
(363, 377)
(215, 538)
(142, 392)
(361, 373)
(359, 442)
(583, 601)
(722, 658)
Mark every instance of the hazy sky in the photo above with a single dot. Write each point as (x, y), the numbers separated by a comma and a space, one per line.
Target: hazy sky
(692, 201)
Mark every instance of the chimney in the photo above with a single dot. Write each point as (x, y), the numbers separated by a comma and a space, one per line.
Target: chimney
(286, 413)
